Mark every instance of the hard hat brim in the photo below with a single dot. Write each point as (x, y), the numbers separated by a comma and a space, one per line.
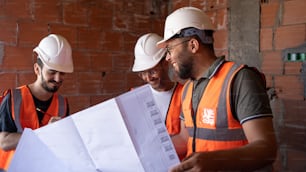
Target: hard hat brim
(162, 43)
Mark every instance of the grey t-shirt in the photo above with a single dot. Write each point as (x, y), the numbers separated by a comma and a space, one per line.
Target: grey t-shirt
(249, 99)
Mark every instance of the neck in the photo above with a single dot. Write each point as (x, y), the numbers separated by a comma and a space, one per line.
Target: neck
(202, 63)
(39, 92)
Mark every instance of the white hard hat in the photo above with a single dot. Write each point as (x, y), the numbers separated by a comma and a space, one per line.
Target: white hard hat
(55, 52)
(185, 17)
(147, 55)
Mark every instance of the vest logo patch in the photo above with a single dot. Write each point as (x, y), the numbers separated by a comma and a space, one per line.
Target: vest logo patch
(208, 117)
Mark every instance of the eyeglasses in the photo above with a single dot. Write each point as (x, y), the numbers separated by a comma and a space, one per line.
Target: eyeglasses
(169, 48)
(150, 72)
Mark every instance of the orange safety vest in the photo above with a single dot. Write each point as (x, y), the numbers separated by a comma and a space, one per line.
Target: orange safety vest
(213, 126)
(173, 123)
(25, 116)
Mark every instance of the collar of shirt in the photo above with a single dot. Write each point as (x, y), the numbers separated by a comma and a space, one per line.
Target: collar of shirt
(211, 70)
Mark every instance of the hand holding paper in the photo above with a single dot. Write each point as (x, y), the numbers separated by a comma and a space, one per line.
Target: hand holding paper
(125, 133)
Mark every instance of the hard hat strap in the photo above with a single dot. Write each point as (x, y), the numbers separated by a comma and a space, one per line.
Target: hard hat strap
(203, 35)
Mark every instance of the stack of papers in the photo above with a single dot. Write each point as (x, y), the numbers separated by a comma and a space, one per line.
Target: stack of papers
(125, 133)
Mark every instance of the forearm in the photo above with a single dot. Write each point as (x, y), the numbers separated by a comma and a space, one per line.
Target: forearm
(250, 157)
(9, 141)
(180, 141)
(180, 145)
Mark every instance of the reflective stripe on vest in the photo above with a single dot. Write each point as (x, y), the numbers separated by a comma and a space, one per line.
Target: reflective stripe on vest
(22, 102)
(17, 98)
(224, 132)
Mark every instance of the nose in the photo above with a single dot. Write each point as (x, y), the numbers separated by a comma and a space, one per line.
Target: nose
(147, 77)
(168, 56)
(58, 77)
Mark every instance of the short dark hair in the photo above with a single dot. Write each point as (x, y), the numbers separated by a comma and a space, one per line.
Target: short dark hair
(39, 62)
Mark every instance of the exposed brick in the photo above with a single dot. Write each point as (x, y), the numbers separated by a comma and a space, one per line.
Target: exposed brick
(112, 41)
(78, 103)
(26, 78)
(294, 12)
(133, 80)
(120, 22)
(289, 36)
(180, 3)
(70, 85)
(8, 33)
(114, 83)
(75, 14)
(221, 40)
(158, 26)
(48, 10)
(30, 33)
(289, 87)
(268, 16)
(89, 83)
(294, 114)
(81, 60)
(130, 41)
(18, 58)
(16, 9)
(100, 98)
(69, 32)
(272, 62)
(269, 80)
(101, 15)
(293, 68)
(89, 39)
(8, 80)
(102, 61)
(123, 62)
(221, 19)
(266, 36)
(141, 24)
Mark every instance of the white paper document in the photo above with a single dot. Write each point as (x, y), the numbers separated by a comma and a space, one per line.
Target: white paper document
(122, 134)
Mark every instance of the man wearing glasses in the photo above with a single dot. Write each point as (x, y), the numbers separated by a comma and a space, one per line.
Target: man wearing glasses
(225, 106)
(151, 66)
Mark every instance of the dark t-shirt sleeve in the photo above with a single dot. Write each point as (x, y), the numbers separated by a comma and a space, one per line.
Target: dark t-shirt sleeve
(249, 96)
(6, 121)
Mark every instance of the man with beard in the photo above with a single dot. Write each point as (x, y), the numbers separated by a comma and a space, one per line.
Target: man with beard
(151, 66)
(36, 104)
(225, 106)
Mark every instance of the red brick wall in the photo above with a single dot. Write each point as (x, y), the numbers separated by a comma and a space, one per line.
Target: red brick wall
(102, 35)
(283, 25)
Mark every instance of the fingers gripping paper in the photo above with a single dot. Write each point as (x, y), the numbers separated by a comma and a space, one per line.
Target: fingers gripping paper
(125, 133)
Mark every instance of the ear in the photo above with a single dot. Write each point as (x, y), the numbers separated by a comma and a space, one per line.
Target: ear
(194, 45)
(36, 69)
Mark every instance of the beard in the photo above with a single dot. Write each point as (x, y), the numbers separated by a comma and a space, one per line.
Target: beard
(185, 68)
(44, 84)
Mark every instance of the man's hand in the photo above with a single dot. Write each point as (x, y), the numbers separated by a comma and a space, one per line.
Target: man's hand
(194, 163)
(54, 119)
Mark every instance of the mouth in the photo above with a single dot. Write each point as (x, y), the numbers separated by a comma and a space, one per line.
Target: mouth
(56, 84)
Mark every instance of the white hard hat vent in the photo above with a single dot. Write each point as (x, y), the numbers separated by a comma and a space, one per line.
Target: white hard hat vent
(182, 18)
(147, 55)
(55, 52)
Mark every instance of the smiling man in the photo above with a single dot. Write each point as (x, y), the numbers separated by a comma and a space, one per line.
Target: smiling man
(151, 66)
(225, 107)
(36, 104)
